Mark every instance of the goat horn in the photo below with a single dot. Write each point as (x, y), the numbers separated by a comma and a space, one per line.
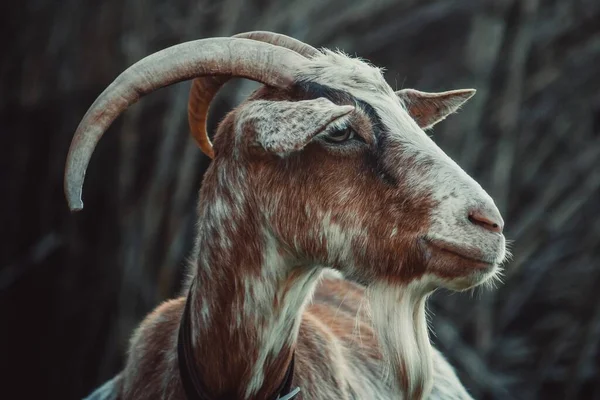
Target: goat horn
(262, 62)
(204, 89)
(280, 40)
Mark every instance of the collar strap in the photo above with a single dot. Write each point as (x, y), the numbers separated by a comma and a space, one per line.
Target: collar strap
(192, 385)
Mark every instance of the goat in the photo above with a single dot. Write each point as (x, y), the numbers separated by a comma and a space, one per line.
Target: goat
(323, 168)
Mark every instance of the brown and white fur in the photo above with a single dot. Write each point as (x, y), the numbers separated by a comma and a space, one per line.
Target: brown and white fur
(282, 205)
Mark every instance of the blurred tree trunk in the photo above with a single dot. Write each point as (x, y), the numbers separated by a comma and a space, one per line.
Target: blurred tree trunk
(73, 287)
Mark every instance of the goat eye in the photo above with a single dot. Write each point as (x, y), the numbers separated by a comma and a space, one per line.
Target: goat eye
(341, 135)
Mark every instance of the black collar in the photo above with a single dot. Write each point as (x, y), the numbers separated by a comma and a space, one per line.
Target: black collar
(192, 385)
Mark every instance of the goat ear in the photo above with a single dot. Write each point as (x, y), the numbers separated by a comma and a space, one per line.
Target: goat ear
(282, 127)
(427, 109)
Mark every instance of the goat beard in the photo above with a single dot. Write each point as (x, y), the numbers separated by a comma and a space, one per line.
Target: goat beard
(398, 317)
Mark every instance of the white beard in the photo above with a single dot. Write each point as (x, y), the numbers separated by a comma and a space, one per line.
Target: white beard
(398, 317)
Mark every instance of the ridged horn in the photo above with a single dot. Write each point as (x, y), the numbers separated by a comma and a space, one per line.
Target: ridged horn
(261, 62)
(204, 89)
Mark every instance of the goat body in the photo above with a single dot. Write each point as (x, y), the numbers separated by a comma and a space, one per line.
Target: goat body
(336, 352)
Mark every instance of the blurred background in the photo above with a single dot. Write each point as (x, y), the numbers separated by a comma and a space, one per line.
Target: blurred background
(73, 287)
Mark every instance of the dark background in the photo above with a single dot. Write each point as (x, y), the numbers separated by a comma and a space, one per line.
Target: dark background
(72, 287)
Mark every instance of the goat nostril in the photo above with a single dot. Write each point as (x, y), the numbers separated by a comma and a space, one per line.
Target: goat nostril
(479, 217)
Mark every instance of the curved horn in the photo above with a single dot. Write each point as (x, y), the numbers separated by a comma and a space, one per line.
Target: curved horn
(204, 89)
(280, 40)
(250, 59)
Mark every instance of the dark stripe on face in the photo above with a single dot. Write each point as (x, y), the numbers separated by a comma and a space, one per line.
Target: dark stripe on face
(313, 90)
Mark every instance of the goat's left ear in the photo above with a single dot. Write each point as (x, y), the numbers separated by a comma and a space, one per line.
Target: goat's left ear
(427, 109)
(282, 127)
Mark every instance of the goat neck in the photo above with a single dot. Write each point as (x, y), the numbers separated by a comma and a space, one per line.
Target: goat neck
(249, 292)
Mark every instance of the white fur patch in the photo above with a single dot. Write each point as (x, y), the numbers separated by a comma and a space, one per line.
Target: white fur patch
(341, 240)
(281, 323)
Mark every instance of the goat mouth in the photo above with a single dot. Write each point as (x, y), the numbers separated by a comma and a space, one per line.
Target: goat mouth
(473, 256)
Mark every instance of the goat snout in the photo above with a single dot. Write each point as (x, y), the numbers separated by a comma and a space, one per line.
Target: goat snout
(486, 217)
